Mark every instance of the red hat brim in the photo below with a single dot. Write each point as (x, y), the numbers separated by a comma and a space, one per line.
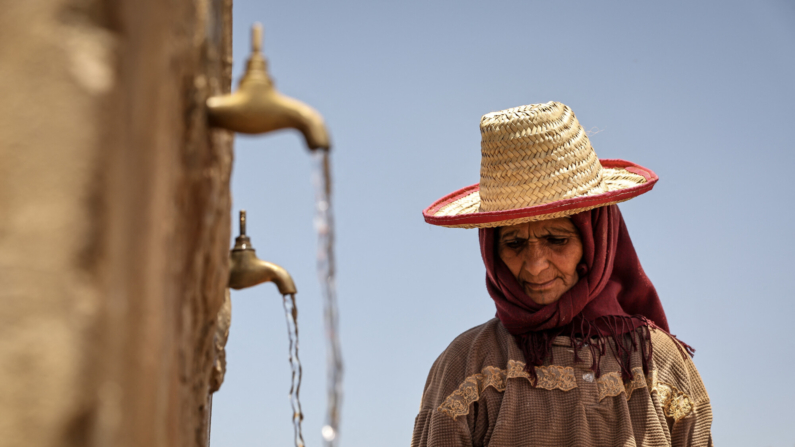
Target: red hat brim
(538, 212)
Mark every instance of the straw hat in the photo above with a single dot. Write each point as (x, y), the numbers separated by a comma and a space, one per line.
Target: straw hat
(537, 163)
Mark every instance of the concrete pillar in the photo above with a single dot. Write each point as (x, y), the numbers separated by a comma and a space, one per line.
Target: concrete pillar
(114, 219)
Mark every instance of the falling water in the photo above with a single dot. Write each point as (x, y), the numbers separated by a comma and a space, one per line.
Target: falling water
(291, 314)
(324, 225)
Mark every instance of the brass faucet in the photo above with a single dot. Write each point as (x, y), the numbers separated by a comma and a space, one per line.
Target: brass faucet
(256, 107)
(247, 270)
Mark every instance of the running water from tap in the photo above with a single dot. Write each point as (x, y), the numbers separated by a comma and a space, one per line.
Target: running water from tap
(291, 314)
(324, 225)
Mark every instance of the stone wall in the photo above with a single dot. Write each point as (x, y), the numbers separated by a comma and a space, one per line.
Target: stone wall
(114, 219)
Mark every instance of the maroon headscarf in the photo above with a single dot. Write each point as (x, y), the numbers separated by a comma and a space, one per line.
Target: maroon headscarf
(613, 297)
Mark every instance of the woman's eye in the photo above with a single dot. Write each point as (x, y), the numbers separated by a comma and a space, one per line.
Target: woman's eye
(515, 244)
(557, 240)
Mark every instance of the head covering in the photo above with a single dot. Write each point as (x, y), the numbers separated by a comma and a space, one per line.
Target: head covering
(612, 297)
(537, 163)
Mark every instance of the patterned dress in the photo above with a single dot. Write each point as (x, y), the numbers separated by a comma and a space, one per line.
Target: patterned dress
(478, 394)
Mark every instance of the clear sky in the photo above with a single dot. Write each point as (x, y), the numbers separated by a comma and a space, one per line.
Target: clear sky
(700, 92)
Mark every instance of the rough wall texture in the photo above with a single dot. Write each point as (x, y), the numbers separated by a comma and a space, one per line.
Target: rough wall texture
(114, 219)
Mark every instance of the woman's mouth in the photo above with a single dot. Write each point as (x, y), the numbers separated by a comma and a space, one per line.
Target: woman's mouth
(537, 287)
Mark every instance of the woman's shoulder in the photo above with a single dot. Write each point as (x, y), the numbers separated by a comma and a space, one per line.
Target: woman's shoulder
(476, 349)
(479, 338)
(674, 368)
(487, 344)
(668, 352)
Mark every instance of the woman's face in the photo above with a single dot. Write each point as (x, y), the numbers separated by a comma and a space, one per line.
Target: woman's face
(542, 256)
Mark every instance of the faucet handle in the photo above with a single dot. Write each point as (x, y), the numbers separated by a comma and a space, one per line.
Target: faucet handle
(242, 242)
(242, 222)
(256, 38)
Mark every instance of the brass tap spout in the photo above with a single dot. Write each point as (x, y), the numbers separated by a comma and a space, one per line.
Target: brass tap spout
(256, 107)
(248, 270)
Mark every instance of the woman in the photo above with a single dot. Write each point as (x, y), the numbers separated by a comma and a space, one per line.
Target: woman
(579, 353)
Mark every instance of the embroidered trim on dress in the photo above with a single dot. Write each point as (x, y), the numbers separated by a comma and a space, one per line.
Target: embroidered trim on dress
(676, 404)
(638, 381)
(611, 385)
(549, 378)
(651, 381)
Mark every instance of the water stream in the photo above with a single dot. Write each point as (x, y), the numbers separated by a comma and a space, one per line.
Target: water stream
(291, 314)
(324, 225)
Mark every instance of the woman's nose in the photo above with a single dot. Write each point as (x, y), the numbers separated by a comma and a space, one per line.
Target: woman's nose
(535, 260)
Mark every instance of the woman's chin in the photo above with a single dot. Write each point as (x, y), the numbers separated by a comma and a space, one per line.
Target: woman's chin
(548, 297)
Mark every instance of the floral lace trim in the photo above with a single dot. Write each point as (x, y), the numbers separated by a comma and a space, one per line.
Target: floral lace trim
(676, 404)
(549, 378)
(611, 385)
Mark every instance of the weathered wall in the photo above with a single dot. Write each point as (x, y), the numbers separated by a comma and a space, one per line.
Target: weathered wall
(114, 219)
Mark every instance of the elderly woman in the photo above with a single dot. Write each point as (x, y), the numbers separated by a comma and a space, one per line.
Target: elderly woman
(579, 353)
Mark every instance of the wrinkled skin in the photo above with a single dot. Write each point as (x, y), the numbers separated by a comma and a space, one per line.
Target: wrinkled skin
(542, 256)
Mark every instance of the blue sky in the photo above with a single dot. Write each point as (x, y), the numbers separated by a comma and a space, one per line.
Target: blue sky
(700, 92)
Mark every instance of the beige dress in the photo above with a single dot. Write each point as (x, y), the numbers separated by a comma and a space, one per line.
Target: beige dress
(478, 394)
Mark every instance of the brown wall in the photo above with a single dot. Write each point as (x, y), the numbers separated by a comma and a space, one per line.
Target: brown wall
(114, 219)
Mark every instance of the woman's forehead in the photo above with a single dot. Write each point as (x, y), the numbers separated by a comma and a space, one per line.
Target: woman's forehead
(561, 225)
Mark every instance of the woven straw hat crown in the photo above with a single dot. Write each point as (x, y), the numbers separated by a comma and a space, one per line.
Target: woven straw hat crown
(533, 155)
